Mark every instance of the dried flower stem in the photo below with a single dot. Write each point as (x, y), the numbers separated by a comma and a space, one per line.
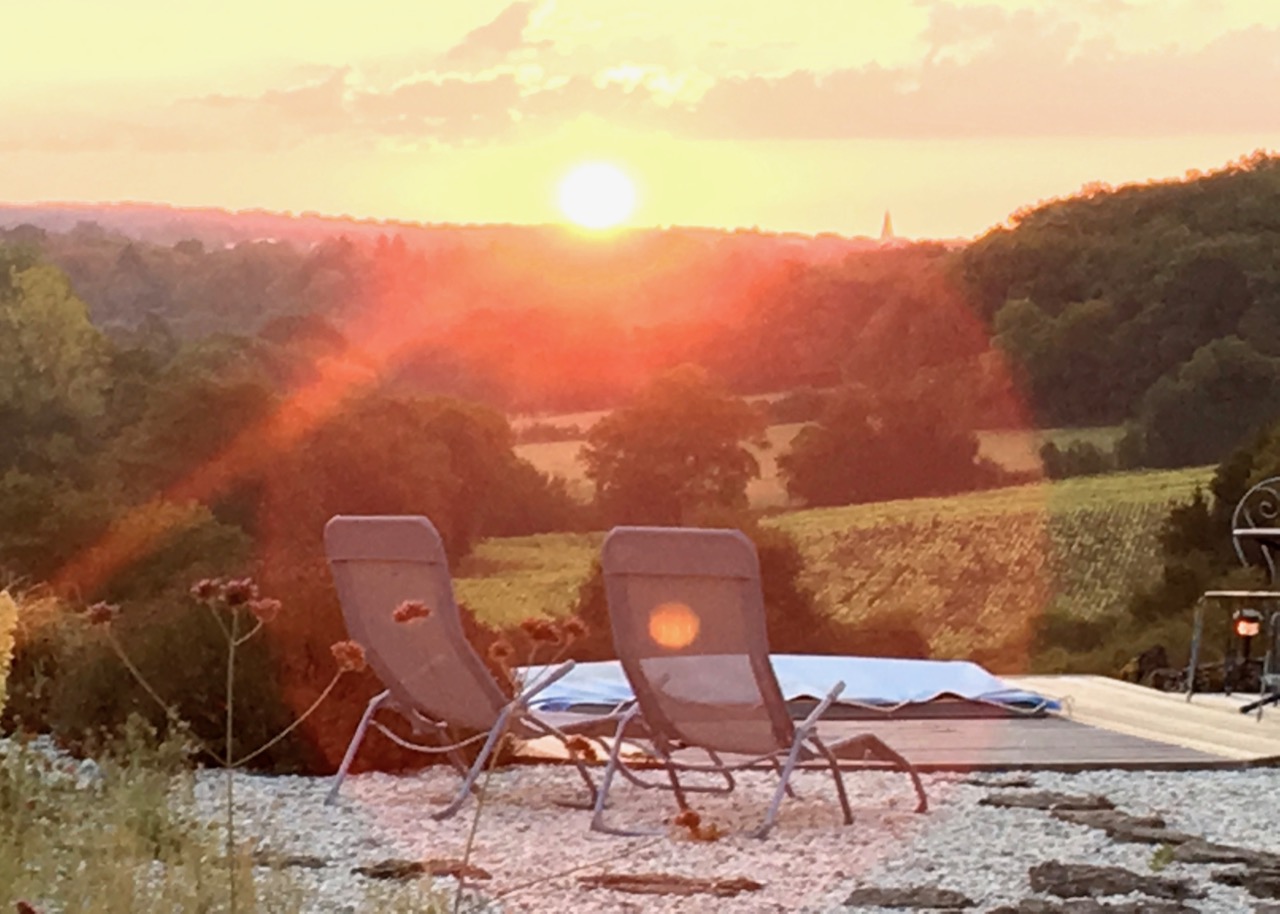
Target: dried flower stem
(231, 818)
(293, 726)
(170, 713)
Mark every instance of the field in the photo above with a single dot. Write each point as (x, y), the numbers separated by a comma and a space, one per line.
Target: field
(973, 571)
(1017, 450)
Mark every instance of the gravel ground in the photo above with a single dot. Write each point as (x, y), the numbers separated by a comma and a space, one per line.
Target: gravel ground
(809, 863)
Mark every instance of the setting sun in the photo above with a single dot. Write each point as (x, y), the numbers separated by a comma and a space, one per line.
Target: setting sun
(597, 195)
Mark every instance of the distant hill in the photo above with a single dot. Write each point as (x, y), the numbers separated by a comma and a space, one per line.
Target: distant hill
(167, 225)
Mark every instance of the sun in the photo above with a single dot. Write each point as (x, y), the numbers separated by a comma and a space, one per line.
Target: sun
(597, 195)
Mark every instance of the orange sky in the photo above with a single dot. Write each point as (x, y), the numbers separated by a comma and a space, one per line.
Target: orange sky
(808, 116)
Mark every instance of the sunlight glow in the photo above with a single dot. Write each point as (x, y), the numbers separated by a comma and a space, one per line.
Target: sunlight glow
(597, 195)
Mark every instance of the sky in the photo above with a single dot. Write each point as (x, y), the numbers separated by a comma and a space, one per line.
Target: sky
(807, 116)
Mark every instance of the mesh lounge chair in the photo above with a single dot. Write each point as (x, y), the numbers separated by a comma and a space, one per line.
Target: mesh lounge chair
(688, 622)
(434, 678)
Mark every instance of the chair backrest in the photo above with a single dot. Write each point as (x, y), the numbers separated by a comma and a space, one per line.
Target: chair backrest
(1259, 507)
(428, 665)
(688, 622)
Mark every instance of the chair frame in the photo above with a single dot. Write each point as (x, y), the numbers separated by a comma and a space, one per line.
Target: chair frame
(390, 537)
(798, 742)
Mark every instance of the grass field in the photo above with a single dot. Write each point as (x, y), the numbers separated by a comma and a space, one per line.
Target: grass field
(974, 570)
(1017, 450)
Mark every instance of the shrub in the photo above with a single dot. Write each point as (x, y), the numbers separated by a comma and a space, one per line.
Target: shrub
(45, 637)
(803, 405)
(546, 432)
(181, 651)
(8, 623)
(1078, 459)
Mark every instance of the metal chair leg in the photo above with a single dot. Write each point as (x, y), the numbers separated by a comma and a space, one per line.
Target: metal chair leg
(499, 730)
(354, 746)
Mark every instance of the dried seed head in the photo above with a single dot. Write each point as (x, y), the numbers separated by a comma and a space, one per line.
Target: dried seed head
(410, 610)
(573, 628)
(580, 747)
(350, 656)
(207, 589)
(501, 651)
(540, 630)
(239, 592)
(265, 609)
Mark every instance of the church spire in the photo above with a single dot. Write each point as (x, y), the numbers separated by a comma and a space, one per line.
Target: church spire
(886, 230)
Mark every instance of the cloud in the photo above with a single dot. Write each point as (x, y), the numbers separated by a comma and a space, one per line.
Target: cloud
(495, 39)
(982, 71)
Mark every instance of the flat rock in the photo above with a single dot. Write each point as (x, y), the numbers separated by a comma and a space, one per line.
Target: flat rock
(1258, 883)
(929, 897)
(1084, 880)
(289, 861)
(667, 884)
(1201, 851)
(413, 869)
(1048, 800)
(1093, 906)
(1107, 819)
(1140, 834)
(998, 783)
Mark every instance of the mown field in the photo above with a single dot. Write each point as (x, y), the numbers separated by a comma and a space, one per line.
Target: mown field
(1017, 450)
(973, 571)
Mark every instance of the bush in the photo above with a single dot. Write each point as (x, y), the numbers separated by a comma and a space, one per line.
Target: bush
(1078, 459)
(8, 623)
(804, 405)
(45, 637)
(547, 432)
(181, 651)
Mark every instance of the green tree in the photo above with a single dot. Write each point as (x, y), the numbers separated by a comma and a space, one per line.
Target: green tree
(677, 449)
(876, 448)
(1196, 414)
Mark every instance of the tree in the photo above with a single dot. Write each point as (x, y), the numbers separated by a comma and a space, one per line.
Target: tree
(869, 448)
(1197, 413)
(677, 449)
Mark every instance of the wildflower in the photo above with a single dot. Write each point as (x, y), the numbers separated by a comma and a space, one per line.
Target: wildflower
(540, 630)
(265, 609)
(239, 592)
(102, 613)
(206, 589)
(580, 746)
(350, 656)
(410, 610)
(501, 651)
(573, 628)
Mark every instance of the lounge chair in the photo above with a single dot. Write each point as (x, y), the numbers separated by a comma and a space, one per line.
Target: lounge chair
(687, 613)
(434, 677)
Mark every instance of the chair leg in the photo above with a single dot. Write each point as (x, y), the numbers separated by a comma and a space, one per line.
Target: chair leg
(681, 801)
(777, 768)
(882, 751)
(496, 733)
(613, 766)
(356, 739)
(775, 804)
(841, 792)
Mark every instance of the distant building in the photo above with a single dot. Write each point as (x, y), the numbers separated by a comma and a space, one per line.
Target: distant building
(886, 230)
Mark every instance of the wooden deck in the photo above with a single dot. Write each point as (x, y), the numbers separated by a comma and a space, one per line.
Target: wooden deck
(1106, 723)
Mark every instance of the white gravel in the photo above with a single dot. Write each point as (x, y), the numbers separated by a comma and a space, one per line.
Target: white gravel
(809, 863)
